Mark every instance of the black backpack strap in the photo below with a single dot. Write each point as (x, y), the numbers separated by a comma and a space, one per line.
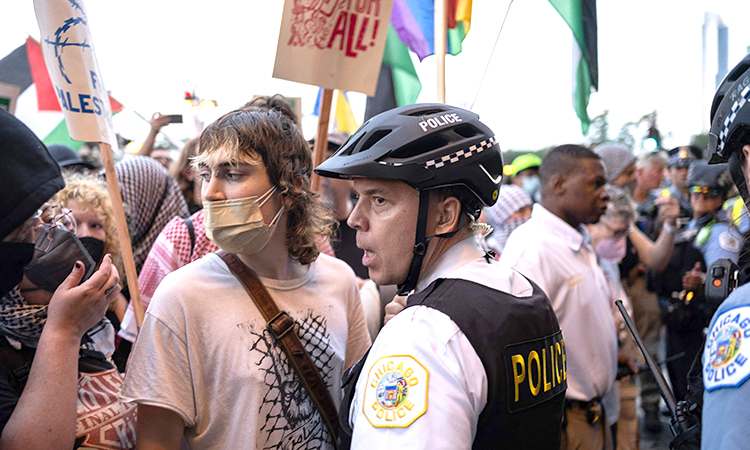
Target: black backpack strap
(191, 232)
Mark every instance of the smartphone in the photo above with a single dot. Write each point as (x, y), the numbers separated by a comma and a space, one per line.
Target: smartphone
(175, 118)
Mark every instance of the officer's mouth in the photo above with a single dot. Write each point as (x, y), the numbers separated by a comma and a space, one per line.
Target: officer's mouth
(367, 257)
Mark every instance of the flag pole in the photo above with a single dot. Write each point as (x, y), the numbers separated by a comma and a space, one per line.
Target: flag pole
(321, 137)
(441, 46)
(126, 248)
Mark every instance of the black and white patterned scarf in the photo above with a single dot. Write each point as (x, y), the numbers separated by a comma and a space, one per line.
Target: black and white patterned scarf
(152, 197)
(22, 323)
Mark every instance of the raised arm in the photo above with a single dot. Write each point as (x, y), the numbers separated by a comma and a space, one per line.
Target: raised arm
(45, 416)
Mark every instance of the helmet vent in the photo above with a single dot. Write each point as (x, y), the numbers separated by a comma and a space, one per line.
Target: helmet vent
(374, 139)
(420, 147)
(424, 112)
(348, 147)
(466, 130)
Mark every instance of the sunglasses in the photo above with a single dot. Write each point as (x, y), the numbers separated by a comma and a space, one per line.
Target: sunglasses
(705, 191)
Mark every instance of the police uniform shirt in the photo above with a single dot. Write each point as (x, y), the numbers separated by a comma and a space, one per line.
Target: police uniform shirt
(721, 240)
(726, 368)
(559, 259)
(431, 349)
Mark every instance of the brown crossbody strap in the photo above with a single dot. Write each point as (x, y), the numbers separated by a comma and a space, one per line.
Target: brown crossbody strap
(282, 328)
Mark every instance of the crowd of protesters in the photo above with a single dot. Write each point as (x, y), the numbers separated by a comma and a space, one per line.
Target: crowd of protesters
(586, 225)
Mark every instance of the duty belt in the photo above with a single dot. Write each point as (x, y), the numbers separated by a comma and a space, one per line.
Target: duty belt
(593, 408)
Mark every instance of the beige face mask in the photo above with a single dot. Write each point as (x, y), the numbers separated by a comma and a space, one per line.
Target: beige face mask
(237, 226)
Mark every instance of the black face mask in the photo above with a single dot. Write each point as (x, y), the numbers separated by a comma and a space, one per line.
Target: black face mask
(14, 256)
(95, 247)
(49, 269)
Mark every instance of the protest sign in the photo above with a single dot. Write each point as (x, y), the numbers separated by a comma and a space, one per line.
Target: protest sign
(71, 63)
(335, 44)
(69, 55)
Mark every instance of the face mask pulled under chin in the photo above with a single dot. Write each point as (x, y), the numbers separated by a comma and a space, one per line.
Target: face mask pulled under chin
(47, 270)
(612, 249)
(237, 226)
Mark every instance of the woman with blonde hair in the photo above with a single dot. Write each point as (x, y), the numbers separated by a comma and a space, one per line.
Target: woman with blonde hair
(88, 200)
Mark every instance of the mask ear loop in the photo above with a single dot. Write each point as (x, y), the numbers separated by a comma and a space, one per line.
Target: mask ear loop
(262, 201)
(264, 198)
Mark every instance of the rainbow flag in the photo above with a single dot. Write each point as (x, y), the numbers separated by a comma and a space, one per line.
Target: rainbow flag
(412, 28)
(414, 22)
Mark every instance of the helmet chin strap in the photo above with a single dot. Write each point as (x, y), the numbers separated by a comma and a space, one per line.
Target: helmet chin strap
(421, 242)
(738, 176)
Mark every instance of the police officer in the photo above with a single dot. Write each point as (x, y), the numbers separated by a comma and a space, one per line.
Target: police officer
(680, 159)
(726, 409)
(706, 238)
(477, 358)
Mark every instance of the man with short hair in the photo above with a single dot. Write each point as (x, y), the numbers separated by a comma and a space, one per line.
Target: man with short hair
(206, 367)
(476, 359)
(554, 251)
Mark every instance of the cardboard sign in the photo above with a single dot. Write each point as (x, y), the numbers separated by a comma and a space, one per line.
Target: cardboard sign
(335, 44)
(71, 62)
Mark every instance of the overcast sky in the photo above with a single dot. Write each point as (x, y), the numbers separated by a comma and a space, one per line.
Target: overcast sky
(650, 58)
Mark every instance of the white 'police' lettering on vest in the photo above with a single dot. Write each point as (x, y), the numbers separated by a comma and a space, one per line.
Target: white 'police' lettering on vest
(439, 121)
(536, 371)
(725, 358)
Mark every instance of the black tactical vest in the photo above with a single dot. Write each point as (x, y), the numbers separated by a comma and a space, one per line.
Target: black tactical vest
(522, 350)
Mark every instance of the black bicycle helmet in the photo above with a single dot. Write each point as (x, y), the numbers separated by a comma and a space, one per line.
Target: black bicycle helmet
(427, 146)
(730, 114)
(730, 122)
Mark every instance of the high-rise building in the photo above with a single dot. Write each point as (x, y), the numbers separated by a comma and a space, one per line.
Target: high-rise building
(715, 59)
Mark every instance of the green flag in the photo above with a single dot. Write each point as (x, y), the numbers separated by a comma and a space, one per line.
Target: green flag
(580, 15)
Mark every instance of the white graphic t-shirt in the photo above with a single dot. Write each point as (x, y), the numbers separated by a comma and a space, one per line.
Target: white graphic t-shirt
(204, 353)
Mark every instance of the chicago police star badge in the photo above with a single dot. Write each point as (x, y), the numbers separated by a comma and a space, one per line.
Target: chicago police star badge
(725, 359)
(396, 391)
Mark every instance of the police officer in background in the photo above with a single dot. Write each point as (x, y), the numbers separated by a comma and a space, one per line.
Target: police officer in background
(680, 159)
(726, 405)
(706, 238)
(477, 357)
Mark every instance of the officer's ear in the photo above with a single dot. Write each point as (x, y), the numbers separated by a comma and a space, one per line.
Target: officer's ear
(448, 214)
(746, 153)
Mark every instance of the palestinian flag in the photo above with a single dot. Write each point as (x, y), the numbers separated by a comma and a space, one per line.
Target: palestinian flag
(38, 107)
(580, 15)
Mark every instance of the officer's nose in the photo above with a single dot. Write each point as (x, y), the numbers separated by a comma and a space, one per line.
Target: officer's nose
(356, 219)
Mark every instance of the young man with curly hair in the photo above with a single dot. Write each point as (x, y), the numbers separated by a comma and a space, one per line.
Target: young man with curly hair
(204, 366)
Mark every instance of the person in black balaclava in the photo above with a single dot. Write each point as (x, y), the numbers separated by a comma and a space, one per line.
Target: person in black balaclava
(30, 177)
(43, 413)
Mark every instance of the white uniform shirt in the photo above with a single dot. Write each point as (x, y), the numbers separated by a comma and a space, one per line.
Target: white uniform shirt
(559, 259)
(446, 379)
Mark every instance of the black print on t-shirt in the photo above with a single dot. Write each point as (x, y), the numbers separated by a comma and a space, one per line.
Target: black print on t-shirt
(291, 420)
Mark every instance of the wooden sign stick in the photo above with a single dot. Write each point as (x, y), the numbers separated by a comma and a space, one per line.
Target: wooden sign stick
(122, 232)
(321, 138)
(441, 46)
